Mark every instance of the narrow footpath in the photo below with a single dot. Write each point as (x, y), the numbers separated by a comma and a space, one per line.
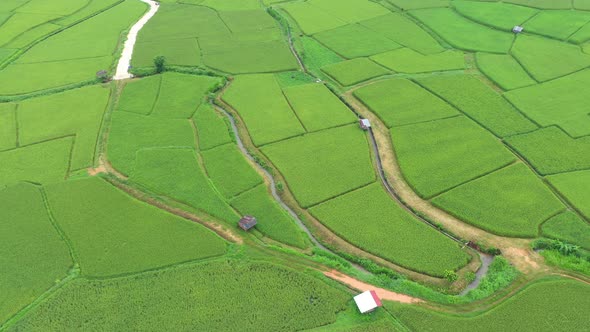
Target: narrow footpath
(125, 60)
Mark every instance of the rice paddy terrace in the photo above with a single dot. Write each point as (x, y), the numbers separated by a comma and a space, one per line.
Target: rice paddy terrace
(252, 165)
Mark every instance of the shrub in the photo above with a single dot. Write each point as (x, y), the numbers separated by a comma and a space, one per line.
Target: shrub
(160, 63)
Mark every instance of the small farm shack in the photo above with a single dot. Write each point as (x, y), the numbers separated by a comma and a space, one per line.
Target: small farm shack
(517, 29)
(365, 124)
(247, 222)
(367, 301)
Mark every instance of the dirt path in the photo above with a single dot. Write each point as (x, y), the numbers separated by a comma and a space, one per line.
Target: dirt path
(383, 294)
(125, 60)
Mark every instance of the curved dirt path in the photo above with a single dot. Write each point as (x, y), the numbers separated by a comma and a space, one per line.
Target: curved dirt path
(125, 60)
(383, 294)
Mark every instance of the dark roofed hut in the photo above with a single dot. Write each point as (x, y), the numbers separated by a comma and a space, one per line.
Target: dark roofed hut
(247, 222)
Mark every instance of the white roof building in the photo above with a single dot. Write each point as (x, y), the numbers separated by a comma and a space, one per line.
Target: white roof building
(367, 301)
(365, 124)
(517, 29)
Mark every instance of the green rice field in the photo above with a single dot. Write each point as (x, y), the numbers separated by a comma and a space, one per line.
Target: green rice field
(253, 165)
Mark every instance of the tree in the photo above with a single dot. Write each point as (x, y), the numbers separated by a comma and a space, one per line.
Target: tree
(160, 63)
(102, 76)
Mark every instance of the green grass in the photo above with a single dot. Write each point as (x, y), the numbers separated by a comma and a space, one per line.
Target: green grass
(352, 10)
(354, 71)
(558, 24)
(310, 18)
(463, 33)
(438, 155)
(552, 305)
(568, 227)
(551, 151)
(130, 133)
(317, 107)
(76, 112)
(504, 70)
(566, 94)
(60, 7)
(340, 163)
(582, 35)
(9, 5)
(546, 59)
(212, 128)
(119, 234)
(180, 95)
(511, 202)
(399, 102)
(582, 4)
(19, 23)
(355, 40)
(237, 5)
(32, 35)
(8, 126)
(92, 8)
(94, 37)
(179, 52)
(405, 32)
(574, 186)
(249, 297)
(32, 254)
(294, 78)
(499, 15)
(25, 78)
(577, 264)
(273, 221)
(261, 104)
(139, 96)
(176, 173)
(412, 4)
(480, 102)
(42, 163)
(315, 55)
(229, 170)
(406, 60)
(543, 4)
(371, 220)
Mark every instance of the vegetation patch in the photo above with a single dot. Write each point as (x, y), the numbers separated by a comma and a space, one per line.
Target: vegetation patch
(212, 128)
(504, 70)
(560, 102)
(229, 170)
(406, 60)
(355, 40)
(184, 294)
(550, 150)
(370, 219)
(558, 24)
(400, 102)
(317, 107)
(261, 104)
(404, 31)
(543, 58)
(478, 101)
(511, 202)
(354, 71)
(574, 186)
(341, 162)
(177, 174)
(120, 234)
(463, 33)
(539, 306)
(499, 15)
(568, 226)
(273, 220)
(33, 255)
(438, 155)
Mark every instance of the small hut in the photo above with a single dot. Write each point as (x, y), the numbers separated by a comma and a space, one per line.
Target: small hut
(247, 222)
(517, 29)
(365, 124)
(367, 302)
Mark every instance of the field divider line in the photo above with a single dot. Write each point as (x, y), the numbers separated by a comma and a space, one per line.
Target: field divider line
(122, 71)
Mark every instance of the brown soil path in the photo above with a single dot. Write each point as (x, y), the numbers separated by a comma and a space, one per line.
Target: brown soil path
(383, 294)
